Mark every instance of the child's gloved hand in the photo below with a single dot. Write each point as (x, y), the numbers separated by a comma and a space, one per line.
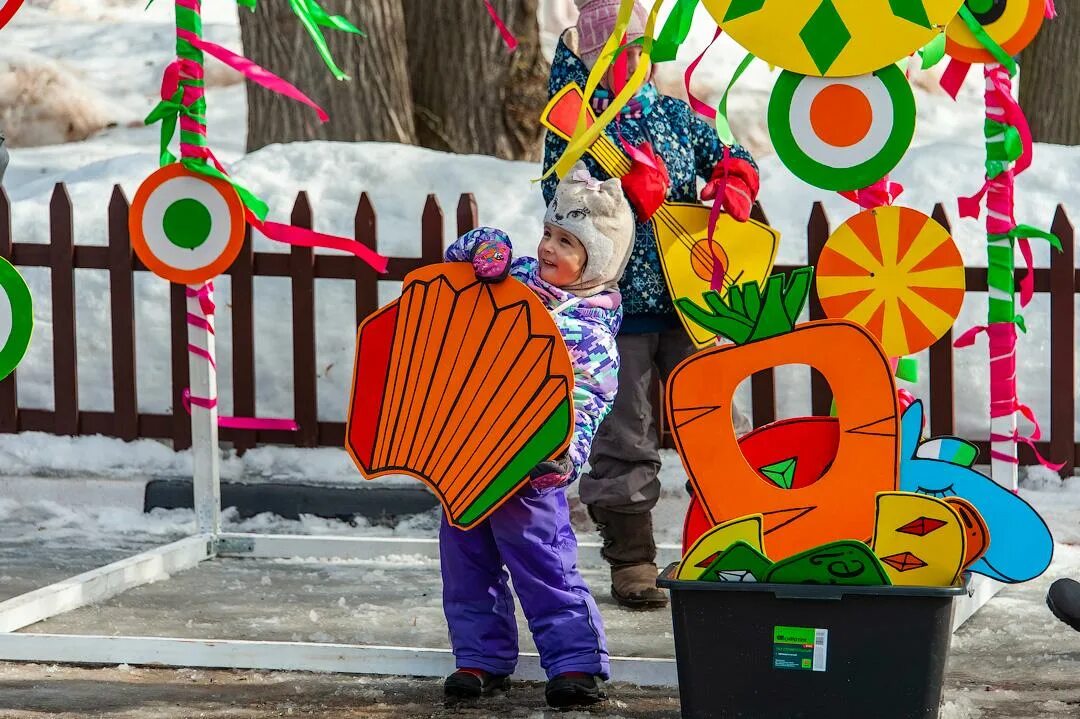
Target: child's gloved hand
(491, 258)
(646, 187)
(552, 473)
(738, 183)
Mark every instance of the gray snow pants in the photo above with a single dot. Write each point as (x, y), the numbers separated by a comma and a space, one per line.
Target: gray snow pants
(625, 458)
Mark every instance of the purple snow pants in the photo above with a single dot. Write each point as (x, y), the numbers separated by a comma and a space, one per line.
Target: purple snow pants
(531, 535)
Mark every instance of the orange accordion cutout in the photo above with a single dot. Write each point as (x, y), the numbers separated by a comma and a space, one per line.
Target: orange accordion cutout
(464, 385)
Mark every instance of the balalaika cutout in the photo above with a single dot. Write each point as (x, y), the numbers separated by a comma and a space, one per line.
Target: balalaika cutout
(701, 390)
(464, 385)
(744, 251)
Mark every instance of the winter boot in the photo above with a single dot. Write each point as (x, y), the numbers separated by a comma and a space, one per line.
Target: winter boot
(1064, 601)
(474, 683)
(574, 689)
(631, 551)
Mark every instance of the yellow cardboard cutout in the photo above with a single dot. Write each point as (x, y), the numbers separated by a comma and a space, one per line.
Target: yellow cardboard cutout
(716, 540)
(832, 38)
(920, 540)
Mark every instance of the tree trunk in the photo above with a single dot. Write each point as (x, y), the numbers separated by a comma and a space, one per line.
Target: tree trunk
(470, 94)
(374, 105)
(1050, 79)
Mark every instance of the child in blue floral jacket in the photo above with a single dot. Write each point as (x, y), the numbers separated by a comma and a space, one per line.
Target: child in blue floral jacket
(621, 487)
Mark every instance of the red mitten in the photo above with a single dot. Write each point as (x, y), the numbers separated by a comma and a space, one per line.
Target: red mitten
(739, 182)
(645, 186)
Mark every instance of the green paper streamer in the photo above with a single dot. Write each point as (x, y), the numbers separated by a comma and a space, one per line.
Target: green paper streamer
(1004, 58)
(934, 52)
(723, 127)
(675, 31)
(907, 369)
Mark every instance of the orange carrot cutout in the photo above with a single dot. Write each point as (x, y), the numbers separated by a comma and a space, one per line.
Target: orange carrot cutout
(464, 385)
(701, 390)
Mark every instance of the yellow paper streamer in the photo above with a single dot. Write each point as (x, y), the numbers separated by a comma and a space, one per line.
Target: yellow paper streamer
(585, 136)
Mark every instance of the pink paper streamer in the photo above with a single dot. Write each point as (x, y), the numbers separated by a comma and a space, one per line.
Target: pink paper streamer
(285, 425)
(507, 36)
(953, 77)
(716, 282)
(1013, 115)
(253, 72)
(700, 107)
(1051, 12)
(882, 193)
(301, 237)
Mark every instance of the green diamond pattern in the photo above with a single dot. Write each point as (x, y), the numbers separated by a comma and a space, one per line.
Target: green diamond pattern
(825, 36)
(782, 474)
(912, 11)
(739, 8)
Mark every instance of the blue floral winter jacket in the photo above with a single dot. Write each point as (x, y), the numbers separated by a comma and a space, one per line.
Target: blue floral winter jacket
(689, 147)
(588, 326)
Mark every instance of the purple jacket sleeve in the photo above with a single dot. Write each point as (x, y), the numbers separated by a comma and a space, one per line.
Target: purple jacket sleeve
(596, 378)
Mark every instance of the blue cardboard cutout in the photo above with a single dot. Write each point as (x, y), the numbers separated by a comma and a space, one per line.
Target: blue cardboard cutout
(1021, 546)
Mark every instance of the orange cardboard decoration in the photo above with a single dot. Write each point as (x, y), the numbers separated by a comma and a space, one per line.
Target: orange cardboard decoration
(745, 251)
(700, 393)
(718, 539)
(920, 540)
(1013, 24)
(464, 385)
(792, 453)
(978, 534)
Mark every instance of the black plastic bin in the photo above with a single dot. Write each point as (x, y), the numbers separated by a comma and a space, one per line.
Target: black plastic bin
(809, 651)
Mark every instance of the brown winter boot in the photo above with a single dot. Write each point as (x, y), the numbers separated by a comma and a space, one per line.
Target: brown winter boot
(631, 551)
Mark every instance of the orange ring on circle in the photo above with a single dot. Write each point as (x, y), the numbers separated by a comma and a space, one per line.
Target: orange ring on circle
(237, 225)
(972, 51)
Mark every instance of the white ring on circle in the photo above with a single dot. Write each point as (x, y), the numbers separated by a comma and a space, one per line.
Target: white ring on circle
(881, 126)
(166, 194)
(6, 318)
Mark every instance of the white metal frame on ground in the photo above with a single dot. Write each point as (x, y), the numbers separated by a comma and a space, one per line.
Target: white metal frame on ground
(158, 564)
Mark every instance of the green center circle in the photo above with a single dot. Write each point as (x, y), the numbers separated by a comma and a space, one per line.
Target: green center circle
(187, 223)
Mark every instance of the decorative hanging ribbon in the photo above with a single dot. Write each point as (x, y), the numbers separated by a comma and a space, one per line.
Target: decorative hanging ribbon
(1051, 10)
(507, 36)
(698, 106)
(933, 52)
(584, 134)
(1000, 54)
(1023, 234)
(204, 295)
(723, 126)
(675, 31)
(719, 271)
(953, 77)
(882, 193)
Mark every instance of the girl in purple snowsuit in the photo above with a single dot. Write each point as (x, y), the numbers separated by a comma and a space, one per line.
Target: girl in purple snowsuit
(588, 235)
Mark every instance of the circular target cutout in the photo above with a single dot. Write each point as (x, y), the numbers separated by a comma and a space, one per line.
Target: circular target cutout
(16, 318)
(186, 227)
(832, 38)
(1013, 24)
(8, 8)
(897, 273)
(842, 133)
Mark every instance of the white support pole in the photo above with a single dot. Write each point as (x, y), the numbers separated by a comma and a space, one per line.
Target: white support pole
(204, 420)
(289, 656)
(102, 583)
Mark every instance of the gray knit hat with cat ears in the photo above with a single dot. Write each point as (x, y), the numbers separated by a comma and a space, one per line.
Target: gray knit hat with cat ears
(598, 215)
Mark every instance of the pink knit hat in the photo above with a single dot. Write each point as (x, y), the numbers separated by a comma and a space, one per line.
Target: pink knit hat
(596, 22)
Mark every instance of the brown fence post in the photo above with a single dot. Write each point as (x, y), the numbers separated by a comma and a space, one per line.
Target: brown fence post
(467, 215)
(65, 352)
(762, 384)
(9, 398)
(817, 234)
(302, 271)
(366, 279)
(431, 232)
(122, 308)
(942, 387)
(243, 342)
(181, 372)
(1063, 345)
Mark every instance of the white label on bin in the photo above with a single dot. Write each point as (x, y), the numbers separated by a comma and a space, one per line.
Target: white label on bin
(800, 648)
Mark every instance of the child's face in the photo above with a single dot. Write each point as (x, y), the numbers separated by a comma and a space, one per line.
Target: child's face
(562, 257)
(633, 59)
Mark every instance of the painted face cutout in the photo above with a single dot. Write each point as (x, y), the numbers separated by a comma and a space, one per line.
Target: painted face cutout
(919, 539)
(1021, 545)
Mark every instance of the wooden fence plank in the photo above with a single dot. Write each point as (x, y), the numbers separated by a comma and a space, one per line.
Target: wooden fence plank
(65, 351)
(181, 372)
(243, 343)
(9, 397)
(467, 214)
(817, 233)
(431, 232)
(1063, 346)
(305, 398)
(942, 400)
(122, 309)
(365, 279)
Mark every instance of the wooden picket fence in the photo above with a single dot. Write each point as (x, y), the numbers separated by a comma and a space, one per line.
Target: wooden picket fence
(302, 266)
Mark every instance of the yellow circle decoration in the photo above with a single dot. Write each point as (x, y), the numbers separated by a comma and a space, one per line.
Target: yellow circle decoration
(1013, 24)
(897, 273)
(832, 38)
